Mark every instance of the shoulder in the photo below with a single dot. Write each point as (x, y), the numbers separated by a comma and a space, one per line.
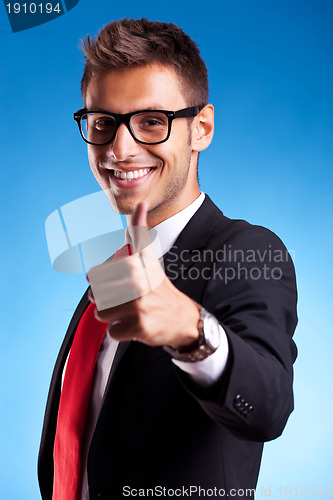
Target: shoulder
(238, 232)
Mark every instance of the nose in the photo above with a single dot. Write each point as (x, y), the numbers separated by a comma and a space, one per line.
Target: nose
(124, 145)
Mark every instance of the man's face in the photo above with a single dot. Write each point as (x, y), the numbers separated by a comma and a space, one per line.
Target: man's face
(164, 175)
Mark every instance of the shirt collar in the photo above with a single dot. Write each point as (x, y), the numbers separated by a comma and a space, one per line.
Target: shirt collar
(169, 230)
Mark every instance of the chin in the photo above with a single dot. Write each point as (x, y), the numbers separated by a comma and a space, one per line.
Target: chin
(122, 207)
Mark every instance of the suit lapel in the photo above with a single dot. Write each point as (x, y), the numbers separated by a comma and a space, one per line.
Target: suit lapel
(194, 236)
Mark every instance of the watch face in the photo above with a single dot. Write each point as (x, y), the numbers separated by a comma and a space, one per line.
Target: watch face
(212, 331)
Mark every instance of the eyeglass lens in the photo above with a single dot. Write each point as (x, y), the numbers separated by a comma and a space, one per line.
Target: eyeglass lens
(151, 127)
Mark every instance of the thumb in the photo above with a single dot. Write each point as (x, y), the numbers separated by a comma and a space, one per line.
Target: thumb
(138, 229)
(139, 217)
(143, 245)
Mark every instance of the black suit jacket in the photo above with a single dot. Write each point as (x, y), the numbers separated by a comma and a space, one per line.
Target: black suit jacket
(159, 429)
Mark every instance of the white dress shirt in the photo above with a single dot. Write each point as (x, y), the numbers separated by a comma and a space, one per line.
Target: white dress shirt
(204, 372)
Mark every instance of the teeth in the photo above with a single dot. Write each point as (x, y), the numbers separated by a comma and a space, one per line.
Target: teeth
(133, 174)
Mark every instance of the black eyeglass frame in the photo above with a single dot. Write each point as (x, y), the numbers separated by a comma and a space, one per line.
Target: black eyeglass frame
(125, 118)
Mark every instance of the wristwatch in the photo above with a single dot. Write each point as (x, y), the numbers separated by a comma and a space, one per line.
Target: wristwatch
(208, 341)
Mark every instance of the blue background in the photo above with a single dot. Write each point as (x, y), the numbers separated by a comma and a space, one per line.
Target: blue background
(270, 68)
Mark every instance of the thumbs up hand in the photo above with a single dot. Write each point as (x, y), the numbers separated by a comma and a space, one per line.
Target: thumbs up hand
(135, 296)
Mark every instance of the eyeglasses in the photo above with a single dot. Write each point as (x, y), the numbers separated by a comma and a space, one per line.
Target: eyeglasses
(149, 126)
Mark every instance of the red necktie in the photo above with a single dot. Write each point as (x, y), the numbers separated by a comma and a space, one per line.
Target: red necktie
(74, 401)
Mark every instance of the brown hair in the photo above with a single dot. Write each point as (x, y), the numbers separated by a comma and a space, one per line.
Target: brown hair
(139, 42)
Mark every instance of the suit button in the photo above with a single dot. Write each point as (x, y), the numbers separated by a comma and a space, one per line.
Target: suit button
(238, 401)
(242, 406)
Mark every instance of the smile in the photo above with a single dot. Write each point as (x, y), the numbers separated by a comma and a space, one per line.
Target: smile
(132, 174)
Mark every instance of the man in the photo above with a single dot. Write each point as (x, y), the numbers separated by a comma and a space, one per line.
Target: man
(195, 374)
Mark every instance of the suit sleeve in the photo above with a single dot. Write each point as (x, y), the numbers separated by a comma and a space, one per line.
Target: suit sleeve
(251, 290)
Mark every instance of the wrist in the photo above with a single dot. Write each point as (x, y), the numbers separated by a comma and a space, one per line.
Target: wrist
(207, 340)
(188, 338)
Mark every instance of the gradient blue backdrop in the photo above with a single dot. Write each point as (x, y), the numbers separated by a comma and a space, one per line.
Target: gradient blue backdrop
(270, 68)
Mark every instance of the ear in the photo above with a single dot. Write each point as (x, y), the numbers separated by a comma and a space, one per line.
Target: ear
(203, 129)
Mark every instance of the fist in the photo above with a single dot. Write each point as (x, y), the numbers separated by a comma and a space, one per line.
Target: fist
(135, 296)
